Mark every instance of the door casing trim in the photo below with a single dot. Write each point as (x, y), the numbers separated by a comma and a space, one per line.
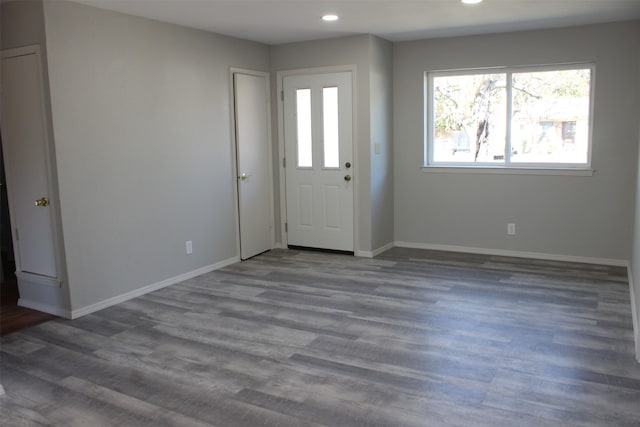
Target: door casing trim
(280, 75)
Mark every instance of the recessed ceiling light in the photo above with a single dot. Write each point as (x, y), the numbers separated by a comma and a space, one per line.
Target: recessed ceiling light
(471, 1)
(330, 18)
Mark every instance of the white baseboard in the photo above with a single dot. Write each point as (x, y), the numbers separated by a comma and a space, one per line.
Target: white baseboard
(517, 254)
(45, 308)
(634, 312)
(375, 252)
(150, 288)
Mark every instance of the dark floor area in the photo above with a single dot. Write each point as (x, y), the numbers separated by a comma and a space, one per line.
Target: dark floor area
(14, 318)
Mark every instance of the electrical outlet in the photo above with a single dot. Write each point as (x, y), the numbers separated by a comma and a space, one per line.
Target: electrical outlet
(511, 229)
(189, 246)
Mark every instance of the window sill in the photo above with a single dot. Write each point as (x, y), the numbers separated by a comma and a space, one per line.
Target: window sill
(508, 170)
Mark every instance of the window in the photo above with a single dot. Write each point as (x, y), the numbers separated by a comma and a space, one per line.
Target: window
(330, 127)
(510, 117)
(303, 125)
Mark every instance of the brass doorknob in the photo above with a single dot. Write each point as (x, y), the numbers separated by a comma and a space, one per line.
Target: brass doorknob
(347, 177)
(244, 177)
(42, 202)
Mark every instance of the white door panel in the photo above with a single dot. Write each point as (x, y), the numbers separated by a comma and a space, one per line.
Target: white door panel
(305, 205)
(331, 206)
(24, 146)
(319, 152)
(253, 160)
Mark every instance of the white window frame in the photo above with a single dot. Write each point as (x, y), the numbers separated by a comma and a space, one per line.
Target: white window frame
(429, 165)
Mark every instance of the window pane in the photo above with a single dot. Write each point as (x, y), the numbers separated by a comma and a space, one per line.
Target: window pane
(330, 118)
(550, 118)
(470, 118)
(303, 122)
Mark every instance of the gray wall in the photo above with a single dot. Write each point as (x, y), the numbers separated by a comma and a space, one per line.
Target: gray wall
(635, 257)
(575, 216)
(142, 123)
(635, 263)
(381, 104)
(22, 24)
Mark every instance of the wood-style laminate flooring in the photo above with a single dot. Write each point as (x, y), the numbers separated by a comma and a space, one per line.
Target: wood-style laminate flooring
(292, 338)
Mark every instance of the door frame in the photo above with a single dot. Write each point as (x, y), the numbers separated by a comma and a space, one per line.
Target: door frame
(234, 150)
(280, 75)
(51, 187)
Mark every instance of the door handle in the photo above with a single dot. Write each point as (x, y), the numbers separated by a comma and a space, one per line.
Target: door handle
(347, 177)
(44, 202)
(244, 177)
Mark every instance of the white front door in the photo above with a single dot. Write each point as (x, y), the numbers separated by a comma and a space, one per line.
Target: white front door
(319, 160)
(25, 155)
(253, 163)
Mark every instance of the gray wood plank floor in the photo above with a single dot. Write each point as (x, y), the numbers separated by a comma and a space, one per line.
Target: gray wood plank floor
(293, 338)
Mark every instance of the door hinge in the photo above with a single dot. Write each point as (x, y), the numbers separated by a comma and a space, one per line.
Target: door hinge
(282, 95)
(17, 235)
(284, 162)
(286, 227)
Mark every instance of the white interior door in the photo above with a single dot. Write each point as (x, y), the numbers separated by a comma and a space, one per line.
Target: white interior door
(25, 156)
(254, 162)
(319, 160)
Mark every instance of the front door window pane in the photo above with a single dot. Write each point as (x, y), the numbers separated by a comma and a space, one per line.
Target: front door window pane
(331, 134)
(303, 123)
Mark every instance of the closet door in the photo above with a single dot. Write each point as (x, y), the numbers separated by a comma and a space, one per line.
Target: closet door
(24, 144)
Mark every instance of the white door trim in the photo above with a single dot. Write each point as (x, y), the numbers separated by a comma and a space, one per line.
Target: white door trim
(234, 151)
(280, 75)
(48, 153)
